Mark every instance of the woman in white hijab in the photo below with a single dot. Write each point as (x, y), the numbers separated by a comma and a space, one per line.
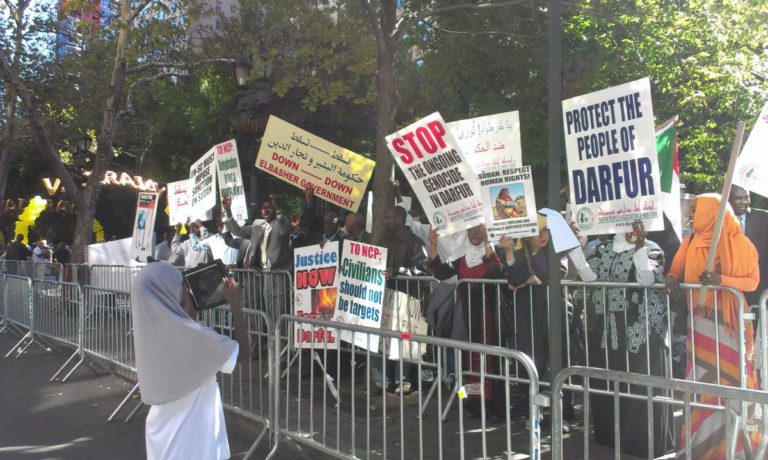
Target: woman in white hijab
(177, 359)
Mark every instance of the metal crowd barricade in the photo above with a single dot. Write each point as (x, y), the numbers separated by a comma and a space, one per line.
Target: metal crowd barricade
(328, 404)
(44, 271)
(56, 309)
(76, 273)
(23, 268)
(113, 277)
(268, 291)
(19, 314)
(657, 391)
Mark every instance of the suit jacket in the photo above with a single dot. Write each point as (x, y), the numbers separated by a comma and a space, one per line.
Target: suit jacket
(278, 247)
(756, 229)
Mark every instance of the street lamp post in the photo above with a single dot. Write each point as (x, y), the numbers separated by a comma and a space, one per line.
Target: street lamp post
(251, 119)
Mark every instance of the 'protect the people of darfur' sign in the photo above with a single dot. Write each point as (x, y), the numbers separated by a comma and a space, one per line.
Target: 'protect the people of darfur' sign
(434, 165)
(361, 291)
(315, 293)
(143, 243)
(752, 164)
(335, 174)
(612, 162)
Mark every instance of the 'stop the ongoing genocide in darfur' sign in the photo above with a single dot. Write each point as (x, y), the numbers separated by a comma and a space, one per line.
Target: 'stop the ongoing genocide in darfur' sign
(300, 158)
(434, 165)
(752, 164)
(612, 162)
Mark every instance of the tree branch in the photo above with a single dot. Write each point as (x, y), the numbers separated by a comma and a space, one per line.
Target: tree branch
(129, 101)
(139, 8)
(176, 65)
(482, 32)
(405, 24)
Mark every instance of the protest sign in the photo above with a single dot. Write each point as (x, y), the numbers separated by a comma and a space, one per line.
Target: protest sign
(143, 241)
(202, 195)
(179, 206)
(361, 290)
(316, 289)
(231, 179)
(402, 313)
(510, 206)
(752, 164)
(613, 167)
(434, 165)
(298, 157)
(491, 141)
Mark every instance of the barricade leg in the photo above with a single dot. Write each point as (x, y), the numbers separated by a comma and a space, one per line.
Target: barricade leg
(123, 403)
(69, 360)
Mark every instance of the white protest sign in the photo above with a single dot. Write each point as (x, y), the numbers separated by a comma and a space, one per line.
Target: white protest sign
(203, 182)
(402, 313)
(231, 179)
(179, 205)
(143, 241)
(315, 293)
(613, 167)
(434, 165)
(752, 165)
(361, 291)
(510, 206)
(491, 141)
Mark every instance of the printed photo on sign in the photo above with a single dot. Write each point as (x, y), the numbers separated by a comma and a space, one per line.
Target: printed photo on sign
(509, 201)
(438, 173)
(143, 242)
(316, 292)
(613, 166)
(335, 174)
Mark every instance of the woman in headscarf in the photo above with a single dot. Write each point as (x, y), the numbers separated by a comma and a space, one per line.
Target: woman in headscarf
(478, 306)
(177, 359)
(736, 265)
(627, 331)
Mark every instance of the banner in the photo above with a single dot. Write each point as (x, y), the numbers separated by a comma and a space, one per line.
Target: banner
(613, 167)
(202, 179)
(298, 157)
(491, 141)
(361, 291)
(143, 241)
(179, 205)
(231, 179)
(751, 170)
(316, 289)
(434, 165)
(402, 313)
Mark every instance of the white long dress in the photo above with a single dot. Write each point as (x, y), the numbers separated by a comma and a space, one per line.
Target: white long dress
(191, 427)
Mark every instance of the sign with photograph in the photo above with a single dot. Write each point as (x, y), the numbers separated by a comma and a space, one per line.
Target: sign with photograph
(315, 293)
(143, 241)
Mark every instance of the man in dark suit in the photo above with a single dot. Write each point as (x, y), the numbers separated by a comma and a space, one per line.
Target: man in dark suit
(754, 224)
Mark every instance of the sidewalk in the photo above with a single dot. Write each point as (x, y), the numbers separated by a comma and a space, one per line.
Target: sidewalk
(44, 420)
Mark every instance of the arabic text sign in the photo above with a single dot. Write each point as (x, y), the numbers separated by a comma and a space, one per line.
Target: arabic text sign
(361, 291)
(510, 205)
(230, 179)
(179, 206)
(438, 173)
(203, 182)
(142, 243)
(316, 289)
(491, 141)
(752, 164)
(613, 166)
(298, 157)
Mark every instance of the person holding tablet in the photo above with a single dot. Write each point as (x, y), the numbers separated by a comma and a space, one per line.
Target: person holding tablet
(177, 359)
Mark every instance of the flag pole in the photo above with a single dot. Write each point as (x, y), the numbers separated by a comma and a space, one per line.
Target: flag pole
(735, 150)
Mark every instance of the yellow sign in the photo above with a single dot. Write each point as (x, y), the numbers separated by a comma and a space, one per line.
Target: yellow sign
(298, 157)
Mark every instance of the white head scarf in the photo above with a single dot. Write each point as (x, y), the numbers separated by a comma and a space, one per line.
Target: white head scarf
(174, 353)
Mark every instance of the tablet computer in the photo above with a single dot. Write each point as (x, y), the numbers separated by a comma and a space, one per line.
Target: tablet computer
(206, 284)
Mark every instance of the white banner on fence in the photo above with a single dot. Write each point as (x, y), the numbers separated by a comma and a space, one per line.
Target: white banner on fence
(316, 289)
(143, 241)
(202, 178)
(402, 313)
(179, 205)
(492, 141)
(117, 252)
(361, 290)
(752, 164)
(434, 165)
(231, 179)
(613, 167)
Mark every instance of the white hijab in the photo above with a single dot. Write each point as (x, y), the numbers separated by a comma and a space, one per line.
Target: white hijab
(174, 353)
(474, 255)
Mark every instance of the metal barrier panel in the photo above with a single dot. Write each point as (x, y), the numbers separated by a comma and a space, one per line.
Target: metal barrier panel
(270, 292)
(615, 392)
(48, 271)
(113, 277)
(17, 298)
(107, 326)
(327, 398)
(23, 268)
(56, 308)
(76, 273)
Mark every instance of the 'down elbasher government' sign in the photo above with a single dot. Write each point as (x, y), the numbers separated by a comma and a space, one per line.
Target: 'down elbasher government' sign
(434, 165)
(612, 163)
